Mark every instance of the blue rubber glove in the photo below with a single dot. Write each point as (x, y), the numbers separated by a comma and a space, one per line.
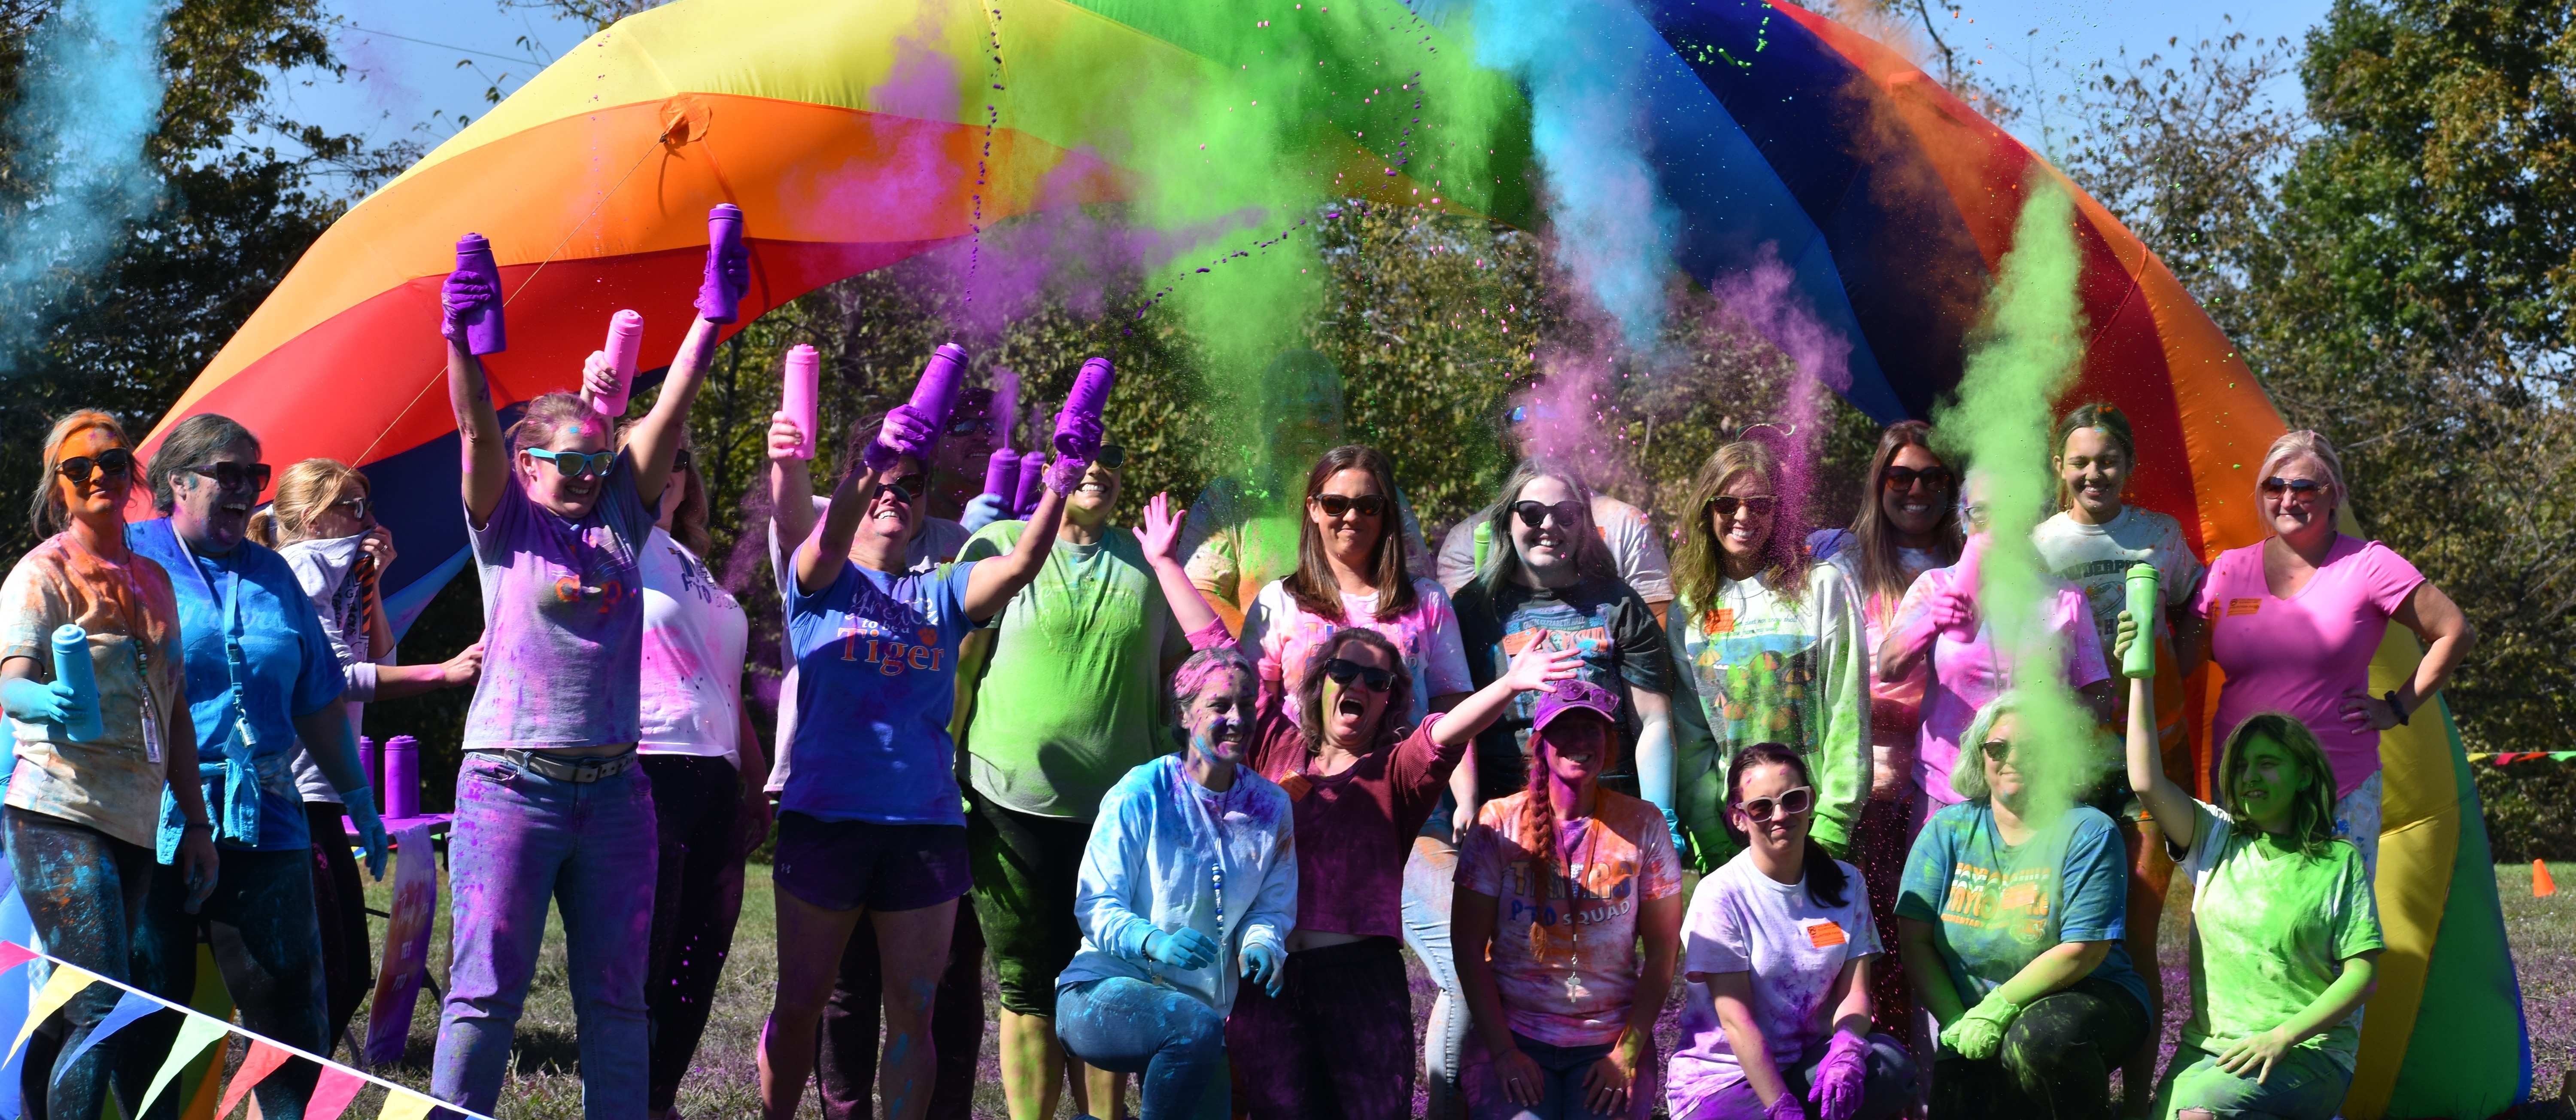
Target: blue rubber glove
(1979, 1033)
(1184, 948)
(1681, 839)
(1261, 965)
(29, 700)
(984, 510)
(361, 806)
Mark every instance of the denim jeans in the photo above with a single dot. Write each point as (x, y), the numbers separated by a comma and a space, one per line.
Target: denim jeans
(267, 942)
(1428, 878)
(2304, 1085)
(1887, 1084)
(520, 840)
(1129, 1026)
(1561, 1095)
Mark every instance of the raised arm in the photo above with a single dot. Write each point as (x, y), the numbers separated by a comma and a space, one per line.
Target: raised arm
(1529, 672)
(486, 460)
(655, 440)
(791, 485)
(1160, 535)
(2176, 816)
(992, 584)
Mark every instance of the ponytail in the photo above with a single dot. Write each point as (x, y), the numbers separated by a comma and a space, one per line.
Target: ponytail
(1827, 886)
(263, 527)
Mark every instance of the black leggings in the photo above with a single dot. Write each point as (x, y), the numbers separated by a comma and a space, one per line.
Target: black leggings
(697, 898)
(268, 945)
(845, 1069)
(340, 901)
(84, 889)
(2055, 1062)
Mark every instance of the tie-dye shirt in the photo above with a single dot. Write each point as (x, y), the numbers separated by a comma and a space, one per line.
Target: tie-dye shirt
(112, 783)
(1758, 668)
(1280, 636)
(878, 654)
(1742, 920)
(1995, 907)
(563, 620)
(1565, 945)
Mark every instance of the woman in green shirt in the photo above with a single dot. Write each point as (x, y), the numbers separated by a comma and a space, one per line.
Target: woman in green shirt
(2284, 930)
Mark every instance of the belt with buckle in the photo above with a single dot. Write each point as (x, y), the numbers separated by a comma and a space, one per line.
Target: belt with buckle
(580, 769)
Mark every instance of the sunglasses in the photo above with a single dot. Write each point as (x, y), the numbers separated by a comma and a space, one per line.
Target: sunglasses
(1997, 750)
(1902, 479)
(681, 460)
(575, 464)
(907, 489)
(1728, 504)
(2303, 487)
(964, 425)
(115, 462)
(1533, 514)
(1790, 803)
(1344, 672)
(356, 507)
(235, 476)
(1111, 456)
(1335, 505)
(1974, 515)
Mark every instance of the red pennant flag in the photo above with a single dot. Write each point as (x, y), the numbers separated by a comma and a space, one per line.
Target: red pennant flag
(13, 954)
(332, 1094)
(263, 1059)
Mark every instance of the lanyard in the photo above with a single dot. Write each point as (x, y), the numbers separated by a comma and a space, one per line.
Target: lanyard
(233, 659)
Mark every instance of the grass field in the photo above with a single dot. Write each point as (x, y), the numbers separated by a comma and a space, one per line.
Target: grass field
(545, 1084)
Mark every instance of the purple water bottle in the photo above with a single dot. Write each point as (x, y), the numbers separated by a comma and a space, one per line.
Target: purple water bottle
(936, 392)
(724, 237)
(483, 333)
(1082, 408)
(402, 777)
(1000, 472)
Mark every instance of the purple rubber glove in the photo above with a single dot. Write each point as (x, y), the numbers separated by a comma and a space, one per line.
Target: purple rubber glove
(1786, 1108)
(463, 295)
(1066, 473)
(1078, 434)
(921, 432)
(901, 433)
(1841, 1077)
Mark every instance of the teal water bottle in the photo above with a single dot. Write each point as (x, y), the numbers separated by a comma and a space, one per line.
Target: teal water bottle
(2141, 661)
(72, 667)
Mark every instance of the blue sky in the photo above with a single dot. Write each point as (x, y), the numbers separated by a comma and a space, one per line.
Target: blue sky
(405, 77)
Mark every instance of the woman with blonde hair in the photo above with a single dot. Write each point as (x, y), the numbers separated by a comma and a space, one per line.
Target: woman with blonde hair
(322, 522)
(2294, 619)
(83, 813)
(1768, 648)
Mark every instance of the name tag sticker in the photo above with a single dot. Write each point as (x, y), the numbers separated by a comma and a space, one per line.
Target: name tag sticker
(1296, 786)
(2243, 606)
(1825, 935)
(1721, 620)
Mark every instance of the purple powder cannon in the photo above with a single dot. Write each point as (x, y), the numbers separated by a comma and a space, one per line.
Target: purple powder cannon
(1000, 472)
(724, 238)
(402, 777)
(483, 331)
(936, 393)
(1077, 427)
(625, 348)
(1032, 472)
(802, 396)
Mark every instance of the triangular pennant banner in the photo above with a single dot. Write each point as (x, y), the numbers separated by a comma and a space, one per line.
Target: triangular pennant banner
(67, 982)
(403, 1105)
(263, 1058)
(194, 1033)
(332, 1093)
(13, 954)
(134, 1006)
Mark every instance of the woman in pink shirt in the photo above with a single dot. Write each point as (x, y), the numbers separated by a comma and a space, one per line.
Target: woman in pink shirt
(2294, 620)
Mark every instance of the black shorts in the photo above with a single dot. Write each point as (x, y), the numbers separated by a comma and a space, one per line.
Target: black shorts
(846, 865)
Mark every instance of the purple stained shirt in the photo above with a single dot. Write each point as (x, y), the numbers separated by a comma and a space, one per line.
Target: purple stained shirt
(563, 621)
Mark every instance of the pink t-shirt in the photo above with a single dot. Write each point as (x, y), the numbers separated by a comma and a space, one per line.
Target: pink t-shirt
(1279, 636)
(2305, 654)
(1565, 945)
(1968, 673)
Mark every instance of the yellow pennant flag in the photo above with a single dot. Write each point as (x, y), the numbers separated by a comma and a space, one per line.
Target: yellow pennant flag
(68, 980)
(195, 1031)
(402, 1105)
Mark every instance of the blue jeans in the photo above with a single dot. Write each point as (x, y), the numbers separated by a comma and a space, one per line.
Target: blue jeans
(1428, 877)
(1129, 1026)
(1886, 1087)
(2305, 1085)
(1561, 1095)
(521, 840)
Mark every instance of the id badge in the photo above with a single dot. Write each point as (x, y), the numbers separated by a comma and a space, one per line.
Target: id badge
(151, 732)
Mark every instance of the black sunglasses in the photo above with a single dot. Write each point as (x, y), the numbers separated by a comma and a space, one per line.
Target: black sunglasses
(1344, 672)
(1533, 514)
(1997, 750)
(1335, 505)
(1790, 803)
(1111, 456)
(235, 476)
(2303, 487)
(681, 460)
(115, 462)
(964, 425)
(357, 507)
(907, 489)
(1901, 479)
(1759, 507)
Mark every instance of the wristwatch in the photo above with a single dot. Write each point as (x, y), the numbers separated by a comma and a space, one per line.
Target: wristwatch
(2396, 707)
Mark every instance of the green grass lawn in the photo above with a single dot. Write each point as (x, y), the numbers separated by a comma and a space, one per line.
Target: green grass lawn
(545, 1085)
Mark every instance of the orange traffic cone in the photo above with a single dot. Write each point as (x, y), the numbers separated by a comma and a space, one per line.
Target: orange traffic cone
(2541, 886)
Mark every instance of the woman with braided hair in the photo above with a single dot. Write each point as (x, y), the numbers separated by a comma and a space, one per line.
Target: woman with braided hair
(1556, 884)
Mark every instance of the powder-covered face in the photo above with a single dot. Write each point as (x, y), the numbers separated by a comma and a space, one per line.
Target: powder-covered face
(890, 514)
(102, 494)
(1915, 509)
(2005, 778)
(1352, 533)
(2292, 513)
(1743, 533)
(1783, 832)
(1575, 746)
(1353, 712)
(569, 498)
(209, 514)
(1218, 721)
(2269, 782)
(1551, 547)
(2095, 470)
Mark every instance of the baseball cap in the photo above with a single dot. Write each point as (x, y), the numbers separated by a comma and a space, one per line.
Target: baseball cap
(1569, 695)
